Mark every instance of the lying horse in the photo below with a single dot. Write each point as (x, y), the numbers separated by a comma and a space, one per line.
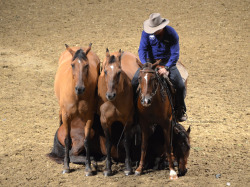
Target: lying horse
(116, 101)
(181, 147)
(75, 88)
(154, 107)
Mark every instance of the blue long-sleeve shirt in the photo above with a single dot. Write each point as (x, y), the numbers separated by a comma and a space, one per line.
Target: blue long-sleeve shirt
(167, 48)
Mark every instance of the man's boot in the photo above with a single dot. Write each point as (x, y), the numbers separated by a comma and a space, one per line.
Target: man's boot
(181, 115)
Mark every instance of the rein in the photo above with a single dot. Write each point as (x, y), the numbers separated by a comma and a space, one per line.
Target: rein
(164, 84)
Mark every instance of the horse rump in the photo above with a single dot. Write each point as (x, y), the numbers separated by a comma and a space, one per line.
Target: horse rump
(58, 151)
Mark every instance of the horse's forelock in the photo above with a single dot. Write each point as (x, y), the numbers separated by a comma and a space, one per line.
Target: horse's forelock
(112, 59)
(147, 66)
(80, 55)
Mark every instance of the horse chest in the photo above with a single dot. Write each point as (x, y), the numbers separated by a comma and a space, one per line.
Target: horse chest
(83, 107)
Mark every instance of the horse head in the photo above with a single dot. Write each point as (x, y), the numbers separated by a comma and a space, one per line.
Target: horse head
(181, 147)
(112, 71)
(80, 68)
(148, 84)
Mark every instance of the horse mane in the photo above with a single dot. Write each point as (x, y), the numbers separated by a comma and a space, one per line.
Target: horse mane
(80, 54)
(181, 131)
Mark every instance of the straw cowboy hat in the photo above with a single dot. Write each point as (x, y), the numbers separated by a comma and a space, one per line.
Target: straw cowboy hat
(154, 23)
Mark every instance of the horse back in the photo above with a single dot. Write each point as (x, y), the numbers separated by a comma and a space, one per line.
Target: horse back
(129, 64)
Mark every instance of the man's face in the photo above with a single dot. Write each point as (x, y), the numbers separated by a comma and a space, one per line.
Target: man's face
(158, 32)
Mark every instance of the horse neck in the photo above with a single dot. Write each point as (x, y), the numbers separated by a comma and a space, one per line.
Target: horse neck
(124, 84)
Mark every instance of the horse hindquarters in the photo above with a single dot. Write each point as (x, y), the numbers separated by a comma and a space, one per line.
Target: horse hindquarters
(58, 150)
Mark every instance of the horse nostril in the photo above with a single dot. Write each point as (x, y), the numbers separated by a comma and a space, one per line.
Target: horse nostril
(149, 101)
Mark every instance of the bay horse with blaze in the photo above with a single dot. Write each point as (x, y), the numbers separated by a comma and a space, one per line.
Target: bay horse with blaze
(154, 107)
(75, 88)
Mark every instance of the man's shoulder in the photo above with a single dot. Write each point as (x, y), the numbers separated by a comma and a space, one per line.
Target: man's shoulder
(171, 31)
(144, 33)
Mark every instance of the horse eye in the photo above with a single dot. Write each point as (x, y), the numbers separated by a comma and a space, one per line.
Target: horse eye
(105, 72)
(72, 65)
(86, 66)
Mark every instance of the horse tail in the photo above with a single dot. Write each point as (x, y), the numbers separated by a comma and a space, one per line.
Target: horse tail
(58, 151)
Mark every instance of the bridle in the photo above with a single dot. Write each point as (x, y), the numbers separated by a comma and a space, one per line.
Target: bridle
(157, 84)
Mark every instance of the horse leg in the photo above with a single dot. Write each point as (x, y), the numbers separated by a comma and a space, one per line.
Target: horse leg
(67, 142)
(108, 171)
(127, 144)
(60, 118)
(168, 148)
(88, 170)
(144, 145)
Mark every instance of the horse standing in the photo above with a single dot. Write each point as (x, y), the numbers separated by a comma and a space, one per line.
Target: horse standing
(75, 88)
(153, 108)
(116, 100)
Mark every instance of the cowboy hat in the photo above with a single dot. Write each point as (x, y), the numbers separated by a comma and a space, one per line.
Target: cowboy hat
(154, 23)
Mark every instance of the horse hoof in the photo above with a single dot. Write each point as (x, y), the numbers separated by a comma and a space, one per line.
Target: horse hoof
(66, 171)
(173, 175)
(107, 173)
(128, 172)
(137, 173)
(88, 173)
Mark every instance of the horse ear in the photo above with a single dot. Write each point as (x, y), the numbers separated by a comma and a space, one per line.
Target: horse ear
(89, 48)
(69, 50)
(107, 52)
(119, 55)
(139, 63)
(176, 130)
(156, 63)
(189, 130)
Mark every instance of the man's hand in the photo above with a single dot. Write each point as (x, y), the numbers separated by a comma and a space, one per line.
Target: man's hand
(162, 71)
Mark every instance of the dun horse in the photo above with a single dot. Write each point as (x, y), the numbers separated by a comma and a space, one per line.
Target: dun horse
(116, 100)
(153, 108)
(75, 87)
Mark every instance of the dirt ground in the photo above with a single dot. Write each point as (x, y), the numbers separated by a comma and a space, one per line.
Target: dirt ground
(214, 42)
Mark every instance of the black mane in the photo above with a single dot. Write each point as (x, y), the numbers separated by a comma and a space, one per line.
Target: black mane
(80, 54)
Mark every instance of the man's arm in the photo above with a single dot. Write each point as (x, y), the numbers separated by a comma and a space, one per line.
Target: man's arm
(174, 48)
(143, 48)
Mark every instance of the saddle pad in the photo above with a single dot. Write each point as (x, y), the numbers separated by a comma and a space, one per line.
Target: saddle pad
(183, 71)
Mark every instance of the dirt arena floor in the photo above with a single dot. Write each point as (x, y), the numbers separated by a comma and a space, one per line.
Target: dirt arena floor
(214, 42)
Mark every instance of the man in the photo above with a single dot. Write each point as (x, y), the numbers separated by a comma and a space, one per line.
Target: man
(160, 41)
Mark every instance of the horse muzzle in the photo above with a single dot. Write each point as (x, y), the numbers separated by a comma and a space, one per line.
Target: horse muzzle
(146, 101)
(110, 96)
(79, 90)
(182, 172)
